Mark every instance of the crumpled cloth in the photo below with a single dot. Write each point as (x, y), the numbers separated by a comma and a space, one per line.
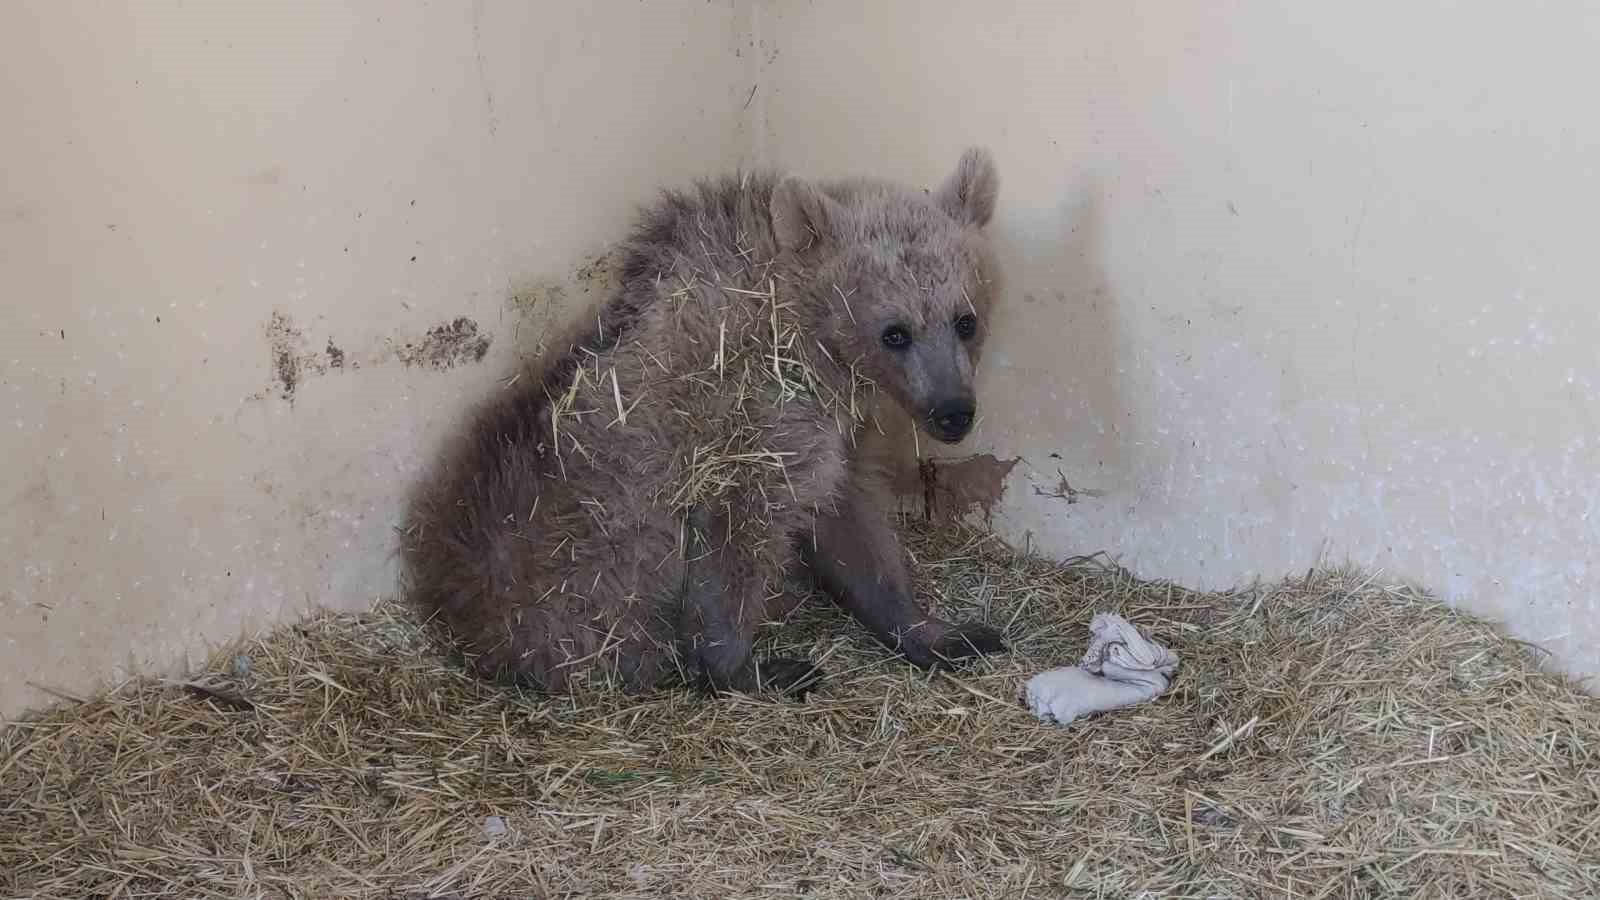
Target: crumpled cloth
(1121, 668)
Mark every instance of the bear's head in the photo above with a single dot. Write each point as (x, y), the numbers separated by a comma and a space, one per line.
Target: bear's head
(907, 278)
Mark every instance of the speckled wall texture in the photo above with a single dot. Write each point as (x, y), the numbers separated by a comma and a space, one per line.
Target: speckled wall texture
(1287, 284)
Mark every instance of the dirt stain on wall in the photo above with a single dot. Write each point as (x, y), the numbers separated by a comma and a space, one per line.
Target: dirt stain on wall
(1063, 490)
(542, 303)
(542, 306)
(291, 361)
(949, 489)
(446, 346)
(544, 295)
(285, 344)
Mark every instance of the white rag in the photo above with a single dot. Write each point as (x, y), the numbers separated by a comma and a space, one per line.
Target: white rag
(1121, 668)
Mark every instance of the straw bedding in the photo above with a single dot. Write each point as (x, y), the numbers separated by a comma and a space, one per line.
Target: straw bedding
(1330, 736)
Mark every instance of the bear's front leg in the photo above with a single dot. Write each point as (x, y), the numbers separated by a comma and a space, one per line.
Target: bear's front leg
(723, 598)
(856, 560)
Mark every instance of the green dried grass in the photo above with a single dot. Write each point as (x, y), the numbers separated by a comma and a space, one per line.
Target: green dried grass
(1327, 737)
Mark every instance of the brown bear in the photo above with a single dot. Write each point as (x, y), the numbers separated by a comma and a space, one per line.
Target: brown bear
(632, 505)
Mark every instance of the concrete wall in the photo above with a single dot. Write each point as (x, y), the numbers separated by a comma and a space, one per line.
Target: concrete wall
(1288, 280)
(226, 232)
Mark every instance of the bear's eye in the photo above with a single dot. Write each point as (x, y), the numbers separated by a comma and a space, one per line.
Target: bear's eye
(967, 325)
(896, 337)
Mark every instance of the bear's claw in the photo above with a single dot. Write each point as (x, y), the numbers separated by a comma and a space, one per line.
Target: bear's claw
(795, 677)
(966, 642)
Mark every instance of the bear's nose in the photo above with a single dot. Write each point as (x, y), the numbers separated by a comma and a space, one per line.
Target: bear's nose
(953, 418)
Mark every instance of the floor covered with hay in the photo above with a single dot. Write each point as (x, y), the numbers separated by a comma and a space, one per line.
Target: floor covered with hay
(1327, 737)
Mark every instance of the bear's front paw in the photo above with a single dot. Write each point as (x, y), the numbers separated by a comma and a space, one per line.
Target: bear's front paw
(795, 677)
(963, 643)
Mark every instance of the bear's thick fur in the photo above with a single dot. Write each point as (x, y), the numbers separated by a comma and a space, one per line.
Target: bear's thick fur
(631, 505)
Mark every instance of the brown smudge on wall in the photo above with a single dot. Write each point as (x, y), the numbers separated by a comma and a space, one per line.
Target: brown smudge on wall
(446, 346)
(948, 489)
(456, 342)
(549, 295)
(290, 362)
(534, 296)
(599, 274)
(544, 306)
(284, 343)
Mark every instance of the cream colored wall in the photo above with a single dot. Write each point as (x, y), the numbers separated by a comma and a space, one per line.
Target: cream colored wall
(1287, 279)
(177, 174)
(1284, 283)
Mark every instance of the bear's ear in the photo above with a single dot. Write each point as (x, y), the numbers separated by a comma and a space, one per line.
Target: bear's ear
(969, 194)
(802, 216)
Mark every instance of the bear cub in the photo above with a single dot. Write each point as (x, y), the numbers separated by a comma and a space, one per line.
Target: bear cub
(631, 506)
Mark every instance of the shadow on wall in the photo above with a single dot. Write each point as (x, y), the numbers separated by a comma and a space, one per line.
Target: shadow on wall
(1071, 310)
(1052, 367)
